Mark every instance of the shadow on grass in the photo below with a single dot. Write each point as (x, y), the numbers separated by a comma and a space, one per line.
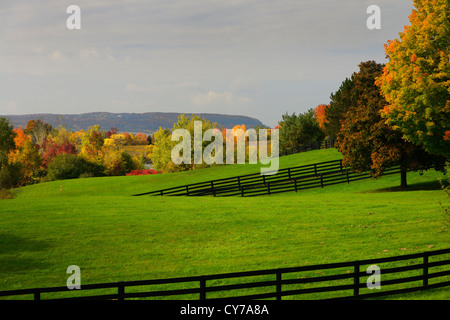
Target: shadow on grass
(421, 186)
(12, 248)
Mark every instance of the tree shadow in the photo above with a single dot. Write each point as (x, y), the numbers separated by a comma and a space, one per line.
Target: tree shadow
(420, 186)
(11, 249)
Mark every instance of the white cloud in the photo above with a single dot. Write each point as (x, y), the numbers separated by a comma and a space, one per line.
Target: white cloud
(86, 54)
(131, 87)
(56, 56)
(212, 97)
(37, 50)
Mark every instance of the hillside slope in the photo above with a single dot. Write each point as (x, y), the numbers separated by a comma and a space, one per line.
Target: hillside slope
(95, 223)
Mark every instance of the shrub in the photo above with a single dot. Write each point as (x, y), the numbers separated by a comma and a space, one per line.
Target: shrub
(118, 163)
(10, 175)
(71, 166)
(6, 194)
(142, 172)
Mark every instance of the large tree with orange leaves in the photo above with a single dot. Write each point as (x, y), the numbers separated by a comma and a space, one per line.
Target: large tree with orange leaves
(416, 80)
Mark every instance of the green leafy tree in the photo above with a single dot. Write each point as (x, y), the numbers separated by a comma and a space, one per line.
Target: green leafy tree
(10, 173)
(340, 102)
(71, 166)
(161, 151)
(163, 145)
(299, 129)
(416, 80)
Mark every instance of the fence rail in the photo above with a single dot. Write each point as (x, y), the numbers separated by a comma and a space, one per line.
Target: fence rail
(314, 145)
(280, 281)
(288, 179)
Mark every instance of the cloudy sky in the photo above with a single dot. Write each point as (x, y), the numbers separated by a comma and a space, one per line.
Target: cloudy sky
(259, 58)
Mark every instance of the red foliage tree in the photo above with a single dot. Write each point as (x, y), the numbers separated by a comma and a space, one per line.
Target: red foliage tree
(52, 149)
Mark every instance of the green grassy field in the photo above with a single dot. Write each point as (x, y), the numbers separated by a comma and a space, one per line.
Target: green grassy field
(96, 224)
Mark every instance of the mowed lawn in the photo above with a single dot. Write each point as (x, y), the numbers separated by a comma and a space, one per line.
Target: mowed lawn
(112, 236)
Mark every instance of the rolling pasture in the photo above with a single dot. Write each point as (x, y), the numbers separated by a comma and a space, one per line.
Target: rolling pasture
(96, 224)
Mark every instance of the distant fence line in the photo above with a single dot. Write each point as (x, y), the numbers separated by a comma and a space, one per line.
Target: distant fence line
(314, 145)
(284, 282)
(288, 179)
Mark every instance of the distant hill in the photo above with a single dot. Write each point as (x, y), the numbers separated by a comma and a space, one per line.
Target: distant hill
(148, 122)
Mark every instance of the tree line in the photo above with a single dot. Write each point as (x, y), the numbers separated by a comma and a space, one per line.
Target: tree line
(381, 116)
(40, 153)
(390, 114)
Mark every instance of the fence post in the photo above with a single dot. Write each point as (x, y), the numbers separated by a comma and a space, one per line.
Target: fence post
(425, 269)
(37, 295)
(315, 169)
(212, 188)
(268, 188)
(295, 184)
(348, 180)
(161, 192)
(321, 181)
(278, 286)
(121, 290)
(356, 279)
(202, 288)
(242, 191)
(340, 163)
(289, 173)
(187, 190)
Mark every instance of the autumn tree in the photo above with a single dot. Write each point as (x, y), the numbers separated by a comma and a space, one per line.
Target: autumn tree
(416, 80)
(111, 131)
(26, 156)
(320, 116)
(367, 143)
(141, 139)
(38, 131)
(52, 149)
(92, 142)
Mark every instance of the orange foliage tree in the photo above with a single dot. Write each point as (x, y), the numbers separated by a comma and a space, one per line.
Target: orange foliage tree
(26, 154)
(416, 80)
(319, 113)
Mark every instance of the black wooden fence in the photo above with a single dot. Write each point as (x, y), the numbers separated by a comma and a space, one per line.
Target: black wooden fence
(430, 270)
(288, 179)
(314, 145)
